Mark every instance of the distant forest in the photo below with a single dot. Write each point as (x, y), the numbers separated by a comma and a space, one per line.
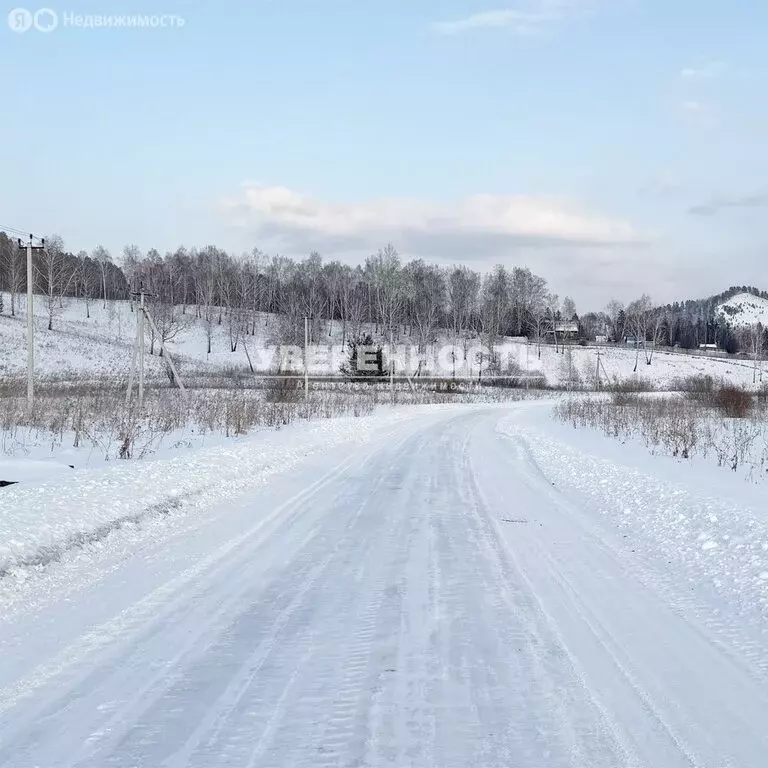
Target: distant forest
(399, 298)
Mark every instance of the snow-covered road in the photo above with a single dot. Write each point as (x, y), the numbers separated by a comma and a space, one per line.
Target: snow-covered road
(430, 599)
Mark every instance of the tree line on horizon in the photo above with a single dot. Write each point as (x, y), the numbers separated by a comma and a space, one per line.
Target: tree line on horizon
(398, 298)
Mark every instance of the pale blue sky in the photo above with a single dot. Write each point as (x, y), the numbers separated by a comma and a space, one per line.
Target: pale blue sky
(613, 145)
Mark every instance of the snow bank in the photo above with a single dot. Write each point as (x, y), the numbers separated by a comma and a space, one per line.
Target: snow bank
(715, 542)
(39, 523)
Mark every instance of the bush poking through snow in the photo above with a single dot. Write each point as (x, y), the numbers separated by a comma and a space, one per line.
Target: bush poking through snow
(733, 402)
(725, 424)
(94, 414)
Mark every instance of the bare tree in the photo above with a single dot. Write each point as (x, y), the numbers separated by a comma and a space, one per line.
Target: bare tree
(387, 288)
(428, 292)
(642, 319)
(495, 303)
(12, 265)
(102, 257)
(169, 321)
(354, 299)
(313, 298)
(615, 311)
(333, 277)
(553, 312)
(463, 290)
(540, 316)
(55, 272)
(753, 339)
(569, 309)
(88, 279)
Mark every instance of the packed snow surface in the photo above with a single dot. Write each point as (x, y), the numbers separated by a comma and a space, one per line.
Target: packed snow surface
(469, 586)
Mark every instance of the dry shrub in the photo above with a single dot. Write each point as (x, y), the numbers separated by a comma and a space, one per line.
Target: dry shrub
(634, 384)
(624, 398)
(95, 413)
(696, 387)
(733, 402)
(727, 427)
(285, 390)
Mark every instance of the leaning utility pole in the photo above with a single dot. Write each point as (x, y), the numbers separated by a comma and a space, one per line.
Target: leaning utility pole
(164, 352)
(30, 249)
(138, 351)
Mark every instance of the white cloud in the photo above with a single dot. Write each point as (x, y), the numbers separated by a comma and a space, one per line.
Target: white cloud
(582, 252)
(533, 18)
(478, 226)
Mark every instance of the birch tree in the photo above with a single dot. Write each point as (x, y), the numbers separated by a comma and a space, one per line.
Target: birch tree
(102, 257)
(55, 272)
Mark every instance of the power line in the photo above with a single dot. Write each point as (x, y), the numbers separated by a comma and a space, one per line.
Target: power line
(19, 232)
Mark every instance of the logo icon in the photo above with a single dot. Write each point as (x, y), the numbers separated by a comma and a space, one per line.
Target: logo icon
(20, 20)
(46, 20)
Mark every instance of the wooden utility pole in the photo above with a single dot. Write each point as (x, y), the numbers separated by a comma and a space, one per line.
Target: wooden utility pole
(598, 370)
(30, 249)
(306, 362)
(392, 365)
(138, 349)
(527, 364)
(140, 320)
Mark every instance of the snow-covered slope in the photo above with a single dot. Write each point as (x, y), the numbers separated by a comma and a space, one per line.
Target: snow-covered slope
(98, 341)
(744, 309)
(579, 365)
(101, 345)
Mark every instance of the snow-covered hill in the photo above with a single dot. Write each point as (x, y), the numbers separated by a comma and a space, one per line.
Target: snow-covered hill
(98, 341)
(744, 309)
(101, 345)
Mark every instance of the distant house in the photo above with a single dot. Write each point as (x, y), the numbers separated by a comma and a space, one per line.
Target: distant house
(709, 347)
(601, 339)
(564, 331)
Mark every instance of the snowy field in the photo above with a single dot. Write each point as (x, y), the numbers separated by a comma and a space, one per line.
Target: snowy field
(102, 346)
(451, 587)
(579, 364)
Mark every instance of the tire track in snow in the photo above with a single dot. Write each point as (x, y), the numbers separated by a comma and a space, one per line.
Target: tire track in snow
(169, 606)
